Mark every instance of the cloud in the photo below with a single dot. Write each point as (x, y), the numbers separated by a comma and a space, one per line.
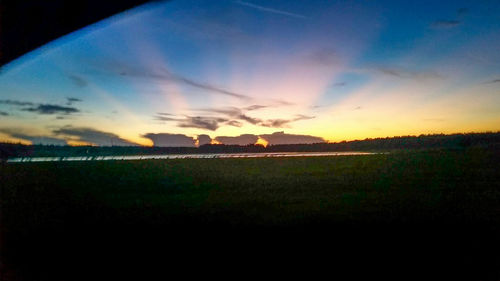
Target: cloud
(199, 122)
(407, 74)
(236, 115)
(171, 140)
(16, 102)
(51, 109)
(207, 123)
(231, 116)
(282, 102)
(357, 108)
(165, 114)
(303, 117)
(447, 23)
(234, 123)
(41, 139)
(204, 139)
(251, 120)
(34, 139)
(232, 112)
(391, 72)
(229, 111)
(44, 108)
(270, 10)
(339, 84)
(443, 24)
(166, 76)
(275, 123)
(255, 107)
(78, 80)
(244, 139)
(282, 138)
(280, 123)
(70, 100)
(93, 136)
(180, 140)
(203, 86)
(166, 118)
(492, 81)
(3, 113)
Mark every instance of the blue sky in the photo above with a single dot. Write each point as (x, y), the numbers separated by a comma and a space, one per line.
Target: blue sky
(331, 69)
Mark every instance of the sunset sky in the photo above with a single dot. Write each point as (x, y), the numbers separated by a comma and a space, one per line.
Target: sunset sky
(167, 72)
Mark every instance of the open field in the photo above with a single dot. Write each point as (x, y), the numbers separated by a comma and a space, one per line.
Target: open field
(428, 214)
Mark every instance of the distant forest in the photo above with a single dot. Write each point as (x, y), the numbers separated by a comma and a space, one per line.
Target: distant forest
(436, 141)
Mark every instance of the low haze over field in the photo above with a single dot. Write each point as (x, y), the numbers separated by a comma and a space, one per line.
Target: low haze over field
(188, 73)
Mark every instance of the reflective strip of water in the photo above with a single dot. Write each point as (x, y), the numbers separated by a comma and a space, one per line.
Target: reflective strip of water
(184, 156)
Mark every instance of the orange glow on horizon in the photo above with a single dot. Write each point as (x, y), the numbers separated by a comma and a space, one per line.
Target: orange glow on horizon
(262, 142)
(79, 143)
(213, 141)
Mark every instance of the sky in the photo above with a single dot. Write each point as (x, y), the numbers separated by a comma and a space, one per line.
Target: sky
(186, 73)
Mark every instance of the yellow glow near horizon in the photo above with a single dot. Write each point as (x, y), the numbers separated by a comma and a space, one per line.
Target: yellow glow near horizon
(261, 141)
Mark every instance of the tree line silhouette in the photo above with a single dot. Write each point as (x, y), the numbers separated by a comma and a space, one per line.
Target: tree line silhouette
(434, 141)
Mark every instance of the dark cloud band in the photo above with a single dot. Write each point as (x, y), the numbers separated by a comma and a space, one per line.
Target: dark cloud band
(52, 109)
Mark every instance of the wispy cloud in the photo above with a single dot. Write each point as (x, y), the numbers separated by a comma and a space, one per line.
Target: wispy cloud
(203, 86)
(494, 81)
(45, 109)
(407, 74)
(45, 140)
(232, 112)
(198, 122)
(164, 75)
(445, 24)
(234, 123)
(90, 135)
(236, 115)
(282, 102)
(78, 80)
(33, 138)
(51, 109)
(451, 23)
(255, 107)
(284, 123)
(270, 10)
(16, 102)
(70, 100)
(207, 123)
(166, 118)
(232, 117)
(165, 114)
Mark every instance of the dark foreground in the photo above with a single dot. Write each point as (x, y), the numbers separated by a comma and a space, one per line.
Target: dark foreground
(407, 215)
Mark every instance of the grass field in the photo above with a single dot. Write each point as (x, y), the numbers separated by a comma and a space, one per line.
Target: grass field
(420, 212)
